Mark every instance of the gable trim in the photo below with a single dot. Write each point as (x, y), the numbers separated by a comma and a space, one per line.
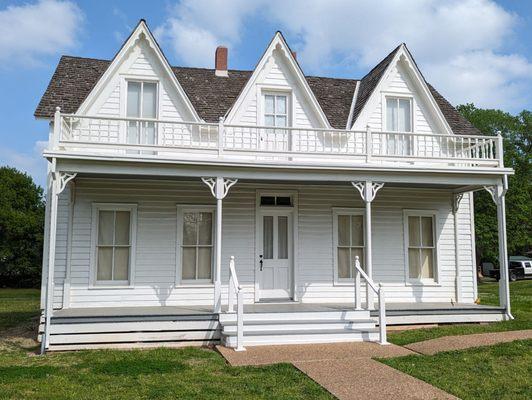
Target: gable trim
(352, 108)
(424, 92)
(278, 39)
(140, 29)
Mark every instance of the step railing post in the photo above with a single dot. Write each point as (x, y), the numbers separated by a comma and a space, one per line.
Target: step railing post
(382, 316)
(240, 321)
(358, 295)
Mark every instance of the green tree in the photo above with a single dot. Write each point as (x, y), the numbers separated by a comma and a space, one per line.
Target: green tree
(21, 229)
(517, 133)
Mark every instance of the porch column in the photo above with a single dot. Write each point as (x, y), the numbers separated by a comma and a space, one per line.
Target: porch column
(219, 188)
(368, 190)
(457, 197)
(498, 194)
(59, 182)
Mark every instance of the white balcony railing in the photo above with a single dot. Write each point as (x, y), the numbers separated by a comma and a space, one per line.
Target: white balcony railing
(114, 136)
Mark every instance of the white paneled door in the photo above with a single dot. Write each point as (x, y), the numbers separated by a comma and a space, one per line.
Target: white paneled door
(274, 243)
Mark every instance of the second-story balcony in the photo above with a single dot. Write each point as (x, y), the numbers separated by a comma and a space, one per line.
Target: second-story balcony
(173, 140)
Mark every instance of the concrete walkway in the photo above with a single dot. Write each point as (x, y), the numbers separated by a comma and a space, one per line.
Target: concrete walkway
(345, 369)
(461, 342)
(348, 371)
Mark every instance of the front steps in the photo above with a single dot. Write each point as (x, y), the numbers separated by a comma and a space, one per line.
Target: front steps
(269, 328)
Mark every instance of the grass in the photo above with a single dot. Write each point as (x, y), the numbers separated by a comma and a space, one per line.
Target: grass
(188, 373)
(521, 303)
(18, 306)
(495, 372)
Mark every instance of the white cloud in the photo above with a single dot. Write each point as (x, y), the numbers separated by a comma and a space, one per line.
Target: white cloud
(30, 31)
(195, 28)
(31, 162)
(458, 44)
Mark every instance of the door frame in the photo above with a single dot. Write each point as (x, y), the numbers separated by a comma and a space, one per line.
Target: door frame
(294, 213)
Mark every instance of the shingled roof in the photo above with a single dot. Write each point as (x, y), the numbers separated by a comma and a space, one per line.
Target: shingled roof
(369, 82)
(212, 96)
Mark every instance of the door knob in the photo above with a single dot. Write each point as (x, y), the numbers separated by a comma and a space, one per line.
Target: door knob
(261, 262)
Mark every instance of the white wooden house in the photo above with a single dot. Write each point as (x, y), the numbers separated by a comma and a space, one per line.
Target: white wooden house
(322, 208)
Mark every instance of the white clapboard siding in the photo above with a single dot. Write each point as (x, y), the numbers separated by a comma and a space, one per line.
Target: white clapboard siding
(275, 74)
(155, 269)
(141, 64)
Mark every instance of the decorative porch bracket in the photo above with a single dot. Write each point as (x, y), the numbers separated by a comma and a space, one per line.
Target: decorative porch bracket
(457, 198)
(498, 194)
(219, 187)
(59, 182)
(368, 190)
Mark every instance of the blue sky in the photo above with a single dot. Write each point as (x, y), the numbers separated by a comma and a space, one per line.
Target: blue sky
(472, 50)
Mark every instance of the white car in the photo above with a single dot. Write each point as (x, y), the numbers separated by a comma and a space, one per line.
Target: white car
(521, 262)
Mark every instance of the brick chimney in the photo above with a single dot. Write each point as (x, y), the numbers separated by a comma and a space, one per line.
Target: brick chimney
(294, 54)
(220, 61)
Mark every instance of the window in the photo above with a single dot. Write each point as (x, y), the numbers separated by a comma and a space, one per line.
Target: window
(420, 244)
(141, 103)
(398, 114)
(280, 201)
(276, 110)
(348, 225)
(114, 243)
(196, 242)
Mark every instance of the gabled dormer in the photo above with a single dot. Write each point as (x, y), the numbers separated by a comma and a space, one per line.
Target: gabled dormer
(277, 93)
(139, 83)
(394, 97)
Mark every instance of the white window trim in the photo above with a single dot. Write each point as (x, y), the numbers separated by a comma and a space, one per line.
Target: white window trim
(96, 208)
(281, 90)
(336, 211)
(435, 226)
(397, 95)
(181, 209)
(124, 79)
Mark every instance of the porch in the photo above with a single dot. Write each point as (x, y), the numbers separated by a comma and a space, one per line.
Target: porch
(174, 326)
(313, 274)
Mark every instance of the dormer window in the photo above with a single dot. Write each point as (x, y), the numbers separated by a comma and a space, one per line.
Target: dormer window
(276, 110)
(398, 114)
(141, 103)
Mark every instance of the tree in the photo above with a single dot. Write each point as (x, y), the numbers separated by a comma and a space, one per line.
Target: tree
(517, 135)
(21, 229)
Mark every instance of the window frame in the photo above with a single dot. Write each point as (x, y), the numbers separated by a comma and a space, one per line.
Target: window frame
(336, 212)
(181, 209)
(286, 115)
(406, 245)
(397, 96)
(142, 81)
(96, 208)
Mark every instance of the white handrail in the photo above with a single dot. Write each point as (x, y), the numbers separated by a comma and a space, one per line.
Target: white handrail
(235, 288)
(156, 137)
(378, 290)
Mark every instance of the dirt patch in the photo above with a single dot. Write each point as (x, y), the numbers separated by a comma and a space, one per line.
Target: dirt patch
(21, 337)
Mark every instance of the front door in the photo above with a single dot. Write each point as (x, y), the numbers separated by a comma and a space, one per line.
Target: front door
(274, 244)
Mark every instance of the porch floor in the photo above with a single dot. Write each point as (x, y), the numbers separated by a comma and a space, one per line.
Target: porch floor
(161, 311)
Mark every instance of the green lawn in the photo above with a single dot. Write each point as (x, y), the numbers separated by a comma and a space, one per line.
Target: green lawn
(18, 306)
(521, 303)
(189, 373)
(503, 371)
